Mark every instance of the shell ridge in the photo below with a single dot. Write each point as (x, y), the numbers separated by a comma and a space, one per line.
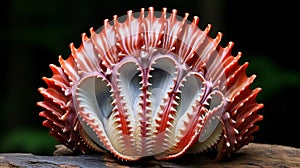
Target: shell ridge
(161, 97)
(202, 50)
(216, 104)
(85, 57)
(237, 81)
(105, 45)
(189, 40)
(153, 30)
(59, 79)
(128, 35)
(127, 78)
(69, 68)
(211, 131)
(89, 117)
(173, 28)
(186, 124)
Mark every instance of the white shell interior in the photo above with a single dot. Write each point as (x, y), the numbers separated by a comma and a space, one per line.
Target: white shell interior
(144, 97)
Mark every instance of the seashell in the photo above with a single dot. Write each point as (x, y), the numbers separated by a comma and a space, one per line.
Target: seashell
(151, 86)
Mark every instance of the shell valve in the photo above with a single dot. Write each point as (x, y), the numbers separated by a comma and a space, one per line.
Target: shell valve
(151, 86)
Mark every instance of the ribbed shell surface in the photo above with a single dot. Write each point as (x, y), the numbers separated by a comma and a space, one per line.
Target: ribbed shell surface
(152, 85)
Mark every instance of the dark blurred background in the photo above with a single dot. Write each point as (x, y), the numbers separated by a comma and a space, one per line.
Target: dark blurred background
(34, 33)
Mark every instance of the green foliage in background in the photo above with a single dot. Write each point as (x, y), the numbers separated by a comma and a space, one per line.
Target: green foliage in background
(271, 77)
(28, 140)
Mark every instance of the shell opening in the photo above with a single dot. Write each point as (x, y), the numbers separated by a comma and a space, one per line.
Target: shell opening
(216, 105)
(165, 70)
(92, 99)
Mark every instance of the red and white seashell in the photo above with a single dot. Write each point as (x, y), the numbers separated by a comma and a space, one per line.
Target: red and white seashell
(151, 86)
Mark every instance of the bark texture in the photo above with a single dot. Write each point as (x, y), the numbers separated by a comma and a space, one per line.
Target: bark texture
(250, 156)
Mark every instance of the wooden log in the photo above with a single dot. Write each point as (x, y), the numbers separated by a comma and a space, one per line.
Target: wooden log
(250, 156)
